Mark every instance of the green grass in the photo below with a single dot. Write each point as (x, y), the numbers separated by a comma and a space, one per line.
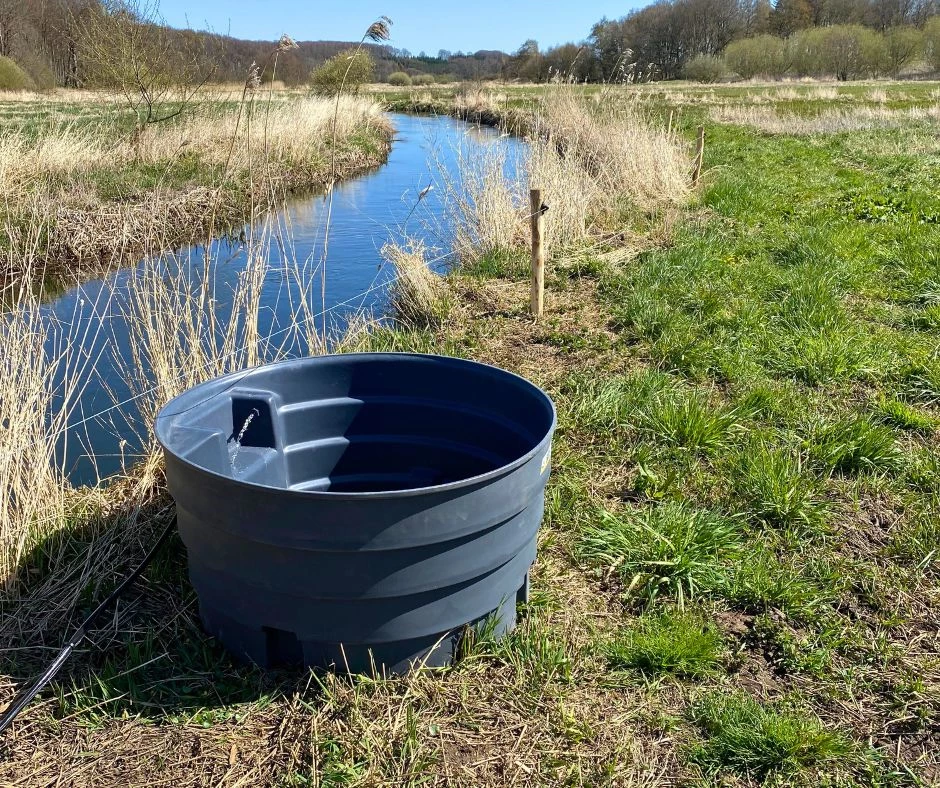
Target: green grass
(902, 415)
(777, 489)
(746, 736)
(688, 419)
(854, 443)
(667, 548)
(674, 643)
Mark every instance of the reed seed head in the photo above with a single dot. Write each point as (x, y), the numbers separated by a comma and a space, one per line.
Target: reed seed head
(286, 43)
(380, 29)
(253, 82)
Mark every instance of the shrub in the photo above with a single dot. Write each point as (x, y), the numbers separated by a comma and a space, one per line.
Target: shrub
(423, 79)
(759, 56)
(399, 79)
(38, 70)
(932, 42)
(346, 72)
(903, 45)
(805, 51)
(704, 68)
(843, 51)
(12, 77)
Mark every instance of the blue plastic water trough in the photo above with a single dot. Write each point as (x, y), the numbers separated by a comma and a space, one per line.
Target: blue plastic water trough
(358, 510)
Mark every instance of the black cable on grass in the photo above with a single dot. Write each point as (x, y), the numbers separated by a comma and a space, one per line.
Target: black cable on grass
(22, 700)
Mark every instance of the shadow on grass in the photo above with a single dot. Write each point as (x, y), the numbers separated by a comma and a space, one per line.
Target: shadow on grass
(147, 657)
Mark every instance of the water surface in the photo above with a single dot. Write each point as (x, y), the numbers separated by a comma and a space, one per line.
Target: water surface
(369, 211)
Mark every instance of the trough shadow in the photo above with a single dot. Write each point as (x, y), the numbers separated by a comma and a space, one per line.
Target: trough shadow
(149, 659)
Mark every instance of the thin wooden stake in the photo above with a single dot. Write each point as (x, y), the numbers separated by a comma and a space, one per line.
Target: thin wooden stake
(669, 127)
(537, 221)
(699, 156)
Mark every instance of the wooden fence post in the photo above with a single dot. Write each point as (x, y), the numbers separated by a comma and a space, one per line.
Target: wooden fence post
(537, 221)
(699, 156)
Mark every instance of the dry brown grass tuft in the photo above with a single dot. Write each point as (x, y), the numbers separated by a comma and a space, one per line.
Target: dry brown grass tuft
(418, 297)
(832, 121)
(594, 162)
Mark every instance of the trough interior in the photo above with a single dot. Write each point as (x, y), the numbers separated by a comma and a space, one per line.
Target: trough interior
(373, 442)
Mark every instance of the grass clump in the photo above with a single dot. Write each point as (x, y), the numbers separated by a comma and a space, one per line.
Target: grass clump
(763, 582)
(917, 540)
(749, 737)
(777, 490)
(687, 418)
(675, 643)
(854, 444)
(606, 403)
(419, 297)
(903, 415)
(672, 547)
(922, 382)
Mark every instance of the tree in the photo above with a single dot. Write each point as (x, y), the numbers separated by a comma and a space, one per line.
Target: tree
(706, 27)
(903, 45)
(125, 46)
(611, 49)
(704, 68)
(346, 72)
(11, 24)
(932, 42)
(399, 79)
(758, 56)
(570, 62)
(527, 62)
(791, 15)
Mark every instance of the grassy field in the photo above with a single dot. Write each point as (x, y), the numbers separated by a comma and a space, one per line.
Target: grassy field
(85, 189)
(738, 573)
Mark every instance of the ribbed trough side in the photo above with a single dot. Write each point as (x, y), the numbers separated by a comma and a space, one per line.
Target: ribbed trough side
(358, 510)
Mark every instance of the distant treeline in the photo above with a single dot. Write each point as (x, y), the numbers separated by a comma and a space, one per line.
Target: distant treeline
(665, 40)
(660, 40)
(45, 38)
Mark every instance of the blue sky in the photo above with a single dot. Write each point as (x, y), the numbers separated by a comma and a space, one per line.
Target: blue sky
(468, 25)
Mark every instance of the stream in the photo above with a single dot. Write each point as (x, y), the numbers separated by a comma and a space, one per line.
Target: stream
(368, 211)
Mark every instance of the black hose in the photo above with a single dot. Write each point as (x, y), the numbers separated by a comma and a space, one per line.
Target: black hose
(23, 698)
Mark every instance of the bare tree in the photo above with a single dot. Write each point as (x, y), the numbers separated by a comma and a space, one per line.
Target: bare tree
(11, 24)
(125, 45)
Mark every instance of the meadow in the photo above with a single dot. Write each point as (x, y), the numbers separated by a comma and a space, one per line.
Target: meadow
(86, 188)
(737, 581)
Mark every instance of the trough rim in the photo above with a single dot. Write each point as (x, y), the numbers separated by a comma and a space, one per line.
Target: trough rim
(234, 378)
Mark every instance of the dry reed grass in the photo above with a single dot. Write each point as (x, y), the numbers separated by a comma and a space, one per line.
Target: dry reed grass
(832, 121)
(418, 297)
(289, 132)
(33, 489)
(592, 161)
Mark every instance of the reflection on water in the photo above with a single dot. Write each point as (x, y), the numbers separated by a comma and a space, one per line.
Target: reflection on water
(367, 213)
